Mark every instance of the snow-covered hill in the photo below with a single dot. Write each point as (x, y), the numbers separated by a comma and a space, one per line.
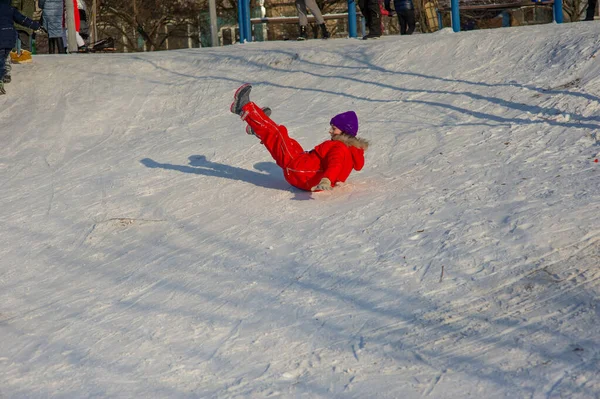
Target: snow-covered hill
(150, 248)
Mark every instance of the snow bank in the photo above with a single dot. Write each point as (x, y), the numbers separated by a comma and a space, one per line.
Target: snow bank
(150, 248)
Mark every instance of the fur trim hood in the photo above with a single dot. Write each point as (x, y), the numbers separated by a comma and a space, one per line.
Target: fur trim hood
(351, 141)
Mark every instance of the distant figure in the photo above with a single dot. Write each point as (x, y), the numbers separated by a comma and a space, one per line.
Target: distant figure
(84, 27)
(591, 10)
(372, 13)
(301, 6)
(8, 17)
(53, 19)
(27, 8)
(384, 13)
(319, 169)
(405, 9)
(76, 14)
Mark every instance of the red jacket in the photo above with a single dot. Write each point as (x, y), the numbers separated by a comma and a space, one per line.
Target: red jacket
(77, 16)
(333, 159)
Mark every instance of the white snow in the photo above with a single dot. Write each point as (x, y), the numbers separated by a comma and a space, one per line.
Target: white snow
(150, 248)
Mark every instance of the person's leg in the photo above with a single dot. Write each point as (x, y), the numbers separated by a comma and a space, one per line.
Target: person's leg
(324, 32)
(374, 18)
(410, 21)
(591, 10)
(19, 46)
(4, 55)
(2, 63)
(364, 9)
(315, 11)
(402, 21)
(25, 40)
(7, 64)
(302, 17)
(267, 112)
(61, 46)
(275, 137)
(51, 45)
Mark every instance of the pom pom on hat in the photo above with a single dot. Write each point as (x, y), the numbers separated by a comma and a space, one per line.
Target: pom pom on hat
(347, 122)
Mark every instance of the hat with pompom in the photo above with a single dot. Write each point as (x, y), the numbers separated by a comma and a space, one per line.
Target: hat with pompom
(347, 122)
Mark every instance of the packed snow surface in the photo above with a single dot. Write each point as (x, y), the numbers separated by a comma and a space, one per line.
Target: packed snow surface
(150, 248)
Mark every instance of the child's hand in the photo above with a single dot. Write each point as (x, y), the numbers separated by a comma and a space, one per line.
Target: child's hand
(324, 185)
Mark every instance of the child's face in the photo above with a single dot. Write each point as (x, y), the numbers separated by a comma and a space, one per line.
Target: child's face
(334, 131)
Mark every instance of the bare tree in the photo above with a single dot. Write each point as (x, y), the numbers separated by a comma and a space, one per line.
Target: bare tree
(574, 9)
(148, 19)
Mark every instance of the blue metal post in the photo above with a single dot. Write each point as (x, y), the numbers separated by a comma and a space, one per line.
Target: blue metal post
(440, 20)
(558, 11)
(241, 21)
(351, 18)
(248, 25)
(455, 15)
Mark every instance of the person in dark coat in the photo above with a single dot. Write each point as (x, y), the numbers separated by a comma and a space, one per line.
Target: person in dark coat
(8, 35)
(370, 10)
(52, 16)
(405, 9)
(590, 10)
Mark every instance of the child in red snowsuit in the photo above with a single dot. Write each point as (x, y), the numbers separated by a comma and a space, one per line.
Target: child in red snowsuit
(319, 169)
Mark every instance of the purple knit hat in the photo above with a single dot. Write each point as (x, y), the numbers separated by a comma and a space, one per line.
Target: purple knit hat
(347, 122)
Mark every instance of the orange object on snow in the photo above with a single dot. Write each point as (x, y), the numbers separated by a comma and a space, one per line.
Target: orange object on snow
(22, 58)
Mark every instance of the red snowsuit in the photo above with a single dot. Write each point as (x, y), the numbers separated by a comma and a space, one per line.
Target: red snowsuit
(333, 159)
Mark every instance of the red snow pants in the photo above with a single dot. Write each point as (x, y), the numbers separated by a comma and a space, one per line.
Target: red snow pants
(300, 168)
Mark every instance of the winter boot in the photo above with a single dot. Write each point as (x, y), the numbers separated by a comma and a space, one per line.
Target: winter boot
(324, 31)
(6, 79)
(303, 34)
(241, 98)
(2, 91)
(267, 112)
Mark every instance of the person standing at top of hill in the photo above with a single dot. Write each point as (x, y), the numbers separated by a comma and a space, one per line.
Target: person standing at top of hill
(371, 11)
(84, 26)
(8, 35)
(27, 8)
(319, 169)
(53, 19)
(302, 6)
(590, 10)
(405, 9)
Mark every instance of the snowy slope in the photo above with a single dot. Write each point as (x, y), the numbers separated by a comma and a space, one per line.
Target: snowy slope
(150, 248)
